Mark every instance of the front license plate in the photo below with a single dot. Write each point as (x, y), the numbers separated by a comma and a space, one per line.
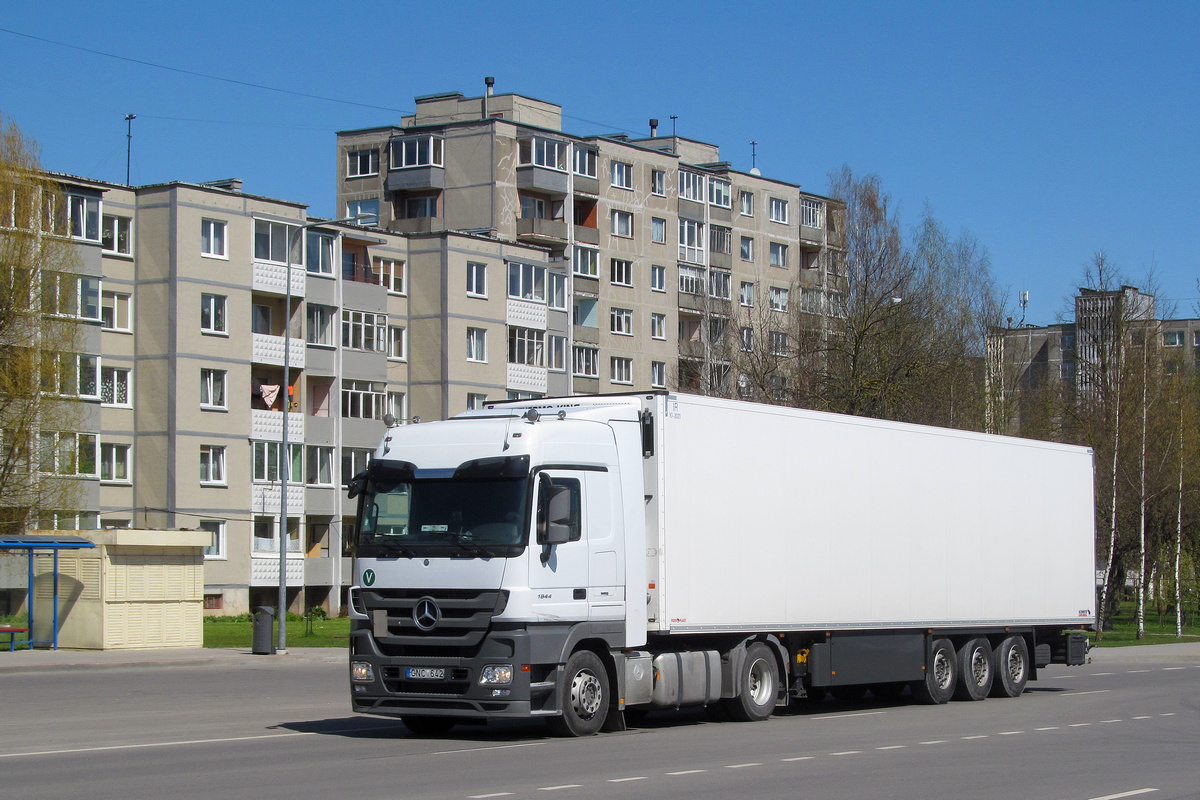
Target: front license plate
(425, 673)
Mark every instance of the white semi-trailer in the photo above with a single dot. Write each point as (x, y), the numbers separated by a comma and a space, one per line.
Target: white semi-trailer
(572, 558)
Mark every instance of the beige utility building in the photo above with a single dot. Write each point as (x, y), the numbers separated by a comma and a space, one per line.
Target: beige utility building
(496, 257)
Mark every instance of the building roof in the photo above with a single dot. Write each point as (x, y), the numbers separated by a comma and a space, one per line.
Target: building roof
(43, 542)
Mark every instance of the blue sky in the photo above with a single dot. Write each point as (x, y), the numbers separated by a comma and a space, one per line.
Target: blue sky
(1049, 131)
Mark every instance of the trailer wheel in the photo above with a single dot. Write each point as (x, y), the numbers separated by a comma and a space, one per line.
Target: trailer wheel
(974, 670)
(1011, 667)
(427, 726)
(759, 682)
(584, 692)
(940, 676)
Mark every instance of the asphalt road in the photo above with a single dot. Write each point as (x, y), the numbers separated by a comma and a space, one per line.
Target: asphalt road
(278, 728)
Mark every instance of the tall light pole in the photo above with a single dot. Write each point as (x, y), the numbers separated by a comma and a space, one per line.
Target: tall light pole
(286, 456)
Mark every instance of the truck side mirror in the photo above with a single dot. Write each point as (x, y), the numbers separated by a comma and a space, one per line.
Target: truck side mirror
(356, 485)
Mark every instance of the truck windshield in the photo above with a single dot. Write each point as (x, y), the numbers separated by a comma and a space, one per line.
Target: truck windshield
(482, 518)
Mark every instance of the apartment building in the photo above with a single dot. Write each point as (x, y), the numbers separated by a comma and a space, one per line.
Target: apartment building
(672, 255)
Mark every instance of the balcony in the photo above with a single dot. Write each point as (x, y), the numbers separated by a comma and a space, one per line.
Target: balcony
(272, 279)
(526, 378)
(267, 349)
(403, 180)
(264, 499)
(542, 231)
(525, 314)
(264, 568)
(543, 179)
(418, 225)
(587, 235)
(267, 426)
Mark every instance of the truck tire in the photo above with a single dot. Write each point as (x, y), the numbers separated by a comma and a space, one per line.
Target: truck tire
(940, 676)
(975, 670)
(427, 726)
(1010, 662)
(584, 691)
(759, 680)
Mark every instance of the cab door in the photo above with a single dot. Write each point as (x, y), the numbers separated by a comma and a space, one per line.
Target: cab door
(558, 573)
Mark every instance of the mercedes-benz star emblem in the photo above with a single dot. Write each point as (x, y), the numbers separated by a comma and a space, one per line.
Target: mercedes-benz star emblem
(426, 613)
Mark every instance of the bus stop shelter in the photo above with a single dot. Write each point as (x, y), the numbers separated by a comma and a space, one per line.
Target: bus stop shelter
(33, 543)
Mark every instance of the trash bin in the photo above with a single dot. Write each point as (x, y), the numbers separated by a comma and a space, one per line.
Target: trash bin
(264, 639)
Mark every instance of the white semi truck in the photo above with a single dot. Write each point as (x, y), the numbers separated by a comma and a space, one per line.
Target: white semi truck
(573, 558)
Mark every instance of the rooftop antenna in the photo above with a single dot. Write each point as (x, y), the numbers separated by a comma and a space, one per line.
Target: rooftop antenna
(1024, 303)
(753, 156)
(673, 118)
(129, 118)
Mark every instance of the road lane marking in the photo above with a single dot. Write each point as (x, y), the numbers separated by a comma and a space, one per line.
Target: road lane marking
(1079, 724)
(1135, 671)
(1123, 794)
(484, 749)
(844, 716)
(1050, 728)
(687, 772)
(893, 747)
(1093, 691)
(798, 758)
(846, 753)
(624, 780)
(1106, 721)
(111, 747)
(561, 786)
(976, 736)
(1097, 674)
(1010, 733)
(485, 796)
(740, 766)
(1170, 714)
(1172, 669)
(935, 741)
(1145, 716)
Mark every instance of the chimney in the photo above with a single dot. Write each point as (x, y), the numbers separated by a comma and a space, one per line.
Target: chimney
(653, 128)
(488, 82)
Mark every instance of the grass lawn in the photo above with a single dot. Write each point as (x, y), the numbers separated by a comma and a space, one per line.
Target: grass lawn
(1124, 630)
(239, 632)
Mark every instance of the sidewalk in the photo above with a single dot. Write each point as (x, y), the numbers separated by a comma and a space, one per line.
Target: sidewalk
(40, 660)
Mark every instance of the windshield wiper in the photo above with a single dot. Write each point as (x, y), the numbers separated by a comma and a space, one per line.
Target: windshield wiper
(463, 542)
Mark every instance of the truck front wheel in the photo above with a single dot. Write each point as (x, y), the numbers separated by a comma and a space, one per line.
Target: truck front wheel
(584, 691)
(941, 675)
(759, 682)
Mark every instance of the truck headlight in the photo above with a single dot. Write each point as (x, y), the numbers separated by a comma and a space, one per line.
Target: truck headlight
(361, 671)
(494, 674)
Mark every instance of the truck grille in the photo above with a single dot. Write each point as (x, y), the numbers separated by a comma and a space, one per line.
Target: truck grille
(465, 617)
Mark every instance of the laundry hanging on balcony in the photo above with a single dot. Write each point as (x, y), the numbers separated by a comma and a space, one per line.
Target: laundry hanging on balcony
(269, 392)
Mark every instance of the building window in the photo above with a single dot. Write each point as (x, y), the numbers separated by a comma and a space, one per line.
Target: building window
(586, 315)
(746, 294)
(746, 336)
(319, 324)
(85, 217)
(476, 401)
(526, 346)
(658, 326)
(779, 343)
(354, 461)
(587, 262)
(214, 550)
(526, 282)
(320, 253)
(719, 283)
(362, 399)
(779, 299)
(746, 203)
(266, 462)
(556, 353)
(70, 375)
(114, 463)
(476, 279)
(477, 345)
(691, 241)
(114, 312)
(212, 388)
(585, 162)
(658, 182)
(811, 213)
(1172, 339)
(778, 210)
(115, 237)
(420, 207)
(212, 313)
(585, 361)
(68, 453)
(691, 280)
(779, 254)
(416, 151)
(367, 212)
(391, 274)
(622, 272)
(542, 152)
(658, 230)
(658, 278)
(319, 465)
(658, 374)
(691, 186)
(720, 239)
(360, 163)
(114, 387)
(622, 175)
(395, 405)
(557, 298)
(272, 240)
(622, 224)
(396, 344)
(622, 369)
(212, 464)
(718, 192)
(532, 207)
(620, 321)
(747, 249)
(363, 330)
(212, 238)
